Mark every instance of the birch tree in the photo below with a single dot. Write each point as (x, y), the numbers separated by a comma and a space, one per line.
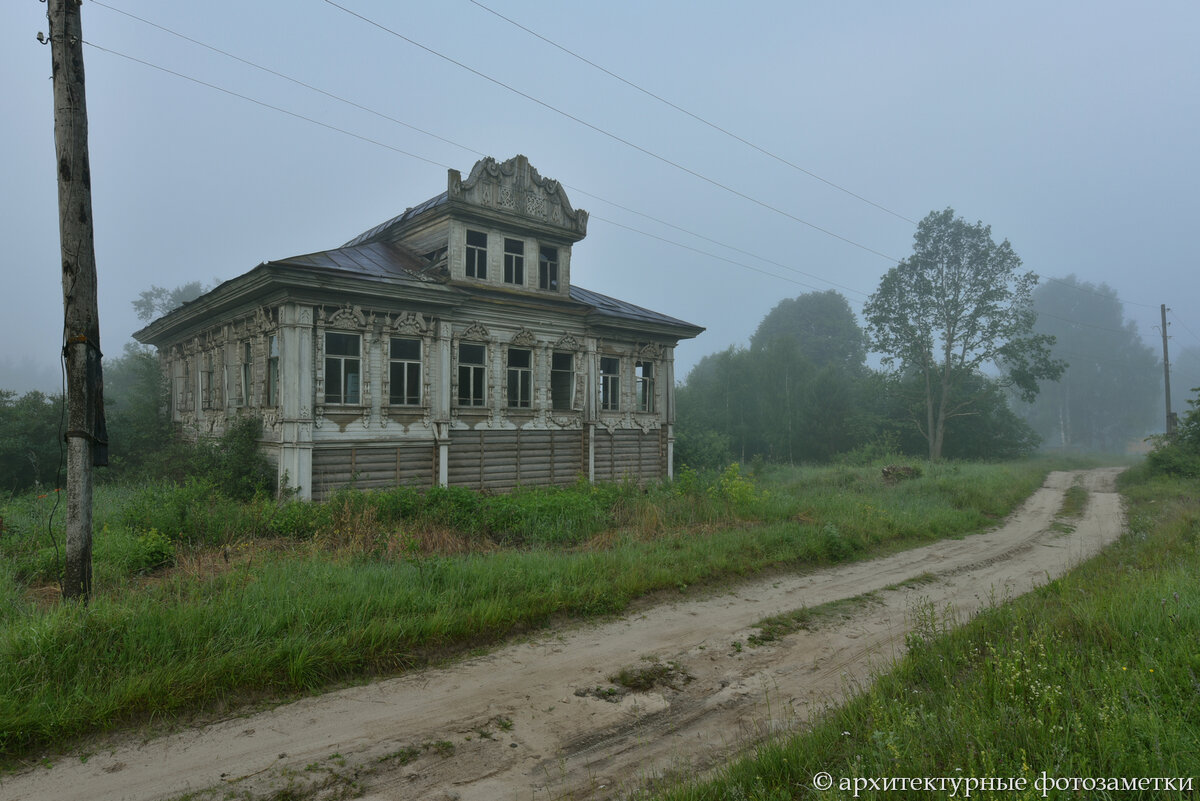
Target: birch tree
(959, 303)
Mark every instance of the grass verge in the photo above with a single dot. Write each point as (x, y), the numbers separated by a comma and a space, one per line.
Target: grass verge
(1094, 676)
(292, 623)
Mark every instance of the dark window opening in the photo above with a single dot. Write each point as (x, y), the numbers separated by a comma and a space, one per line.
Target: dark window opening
(476, 254)
(472, 375)
(514, 261)
(548, 268)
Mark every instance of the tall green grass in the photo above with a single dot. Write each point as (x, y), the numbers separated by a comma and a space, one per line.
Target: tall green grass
(291, 624)
(1094, 675)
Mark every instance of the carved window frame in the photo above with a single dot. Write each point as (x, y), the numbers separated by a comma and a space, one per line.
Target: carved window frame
(412, 326)
(609, 385)
(475, 335)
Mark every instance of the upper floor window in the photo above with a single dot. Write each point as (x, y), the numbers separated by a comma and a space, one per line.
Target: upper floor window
(562, 380)
(477, 254)
(645, 386)
(472, 375)
(610, 383)
(343, 368)
(520, 378)
(272, 370)
(206, 381)
(514, 261)
(548, 268)
(247, 371)
(405, 372)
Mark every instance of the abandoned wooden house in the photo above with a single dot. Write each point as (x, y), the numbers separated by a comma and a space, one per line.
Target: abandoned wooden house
(445, 346)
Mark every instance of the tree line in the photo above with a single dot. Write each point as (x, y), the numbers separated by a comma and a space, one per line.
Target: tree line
(980, 360)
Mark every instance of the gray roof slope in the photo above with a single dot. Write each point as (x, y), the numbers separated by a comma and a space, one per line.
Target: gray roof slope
(408, 214)
(379, 259)
(611, 307)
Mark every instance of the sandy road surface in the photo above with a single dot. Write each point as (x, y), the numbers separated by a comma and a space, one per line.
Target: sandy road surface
(519, 723)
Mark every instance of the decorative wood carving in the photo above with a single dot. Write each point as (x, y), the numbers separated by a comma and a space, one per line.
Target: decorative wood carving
(408, 323)
(476, 331)
(516, 186)
(524, 337)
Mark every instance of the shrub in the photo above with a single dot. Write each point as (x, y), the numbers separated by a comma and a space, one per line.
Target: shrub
(1179, 454)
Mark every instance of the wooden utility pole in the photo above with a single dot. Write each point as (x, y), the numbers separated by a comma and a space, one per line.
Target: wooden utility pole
(1167, 372)
(87, 439)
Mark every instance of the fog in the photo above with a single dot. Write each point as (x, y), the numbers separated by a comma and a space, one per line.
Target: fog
(1070, 128)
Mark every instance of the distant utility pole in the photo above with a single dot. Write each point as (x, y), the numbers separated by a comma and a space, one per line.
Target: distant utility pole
(1167, 373)
(86, 435)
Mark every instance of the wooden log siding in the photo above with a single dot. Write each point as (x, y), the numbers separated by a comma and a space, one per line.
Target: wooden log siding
(372, 467)
(502, 460)
(629, 455)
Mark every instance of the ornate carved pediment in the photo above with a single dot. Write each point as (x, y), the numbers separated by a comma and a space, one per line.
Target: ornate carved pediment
(409, 323)
(651, 351)
(476, 331)
(264, 318)
(524, 337)
(346, 317)
(568, 342)
(515, 186)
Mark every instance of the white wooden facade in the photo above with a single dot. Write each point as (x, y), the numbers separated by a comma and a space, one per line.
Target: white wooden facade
(446, 346)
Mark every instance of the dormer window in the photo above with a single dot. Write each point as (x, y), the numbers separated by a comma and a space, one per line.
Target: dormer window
(514, 261)
(477, 254)
(548, 268)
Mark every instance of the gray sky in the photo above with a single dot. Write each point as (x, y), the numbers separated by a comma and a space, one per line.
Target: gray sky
(1071, 128)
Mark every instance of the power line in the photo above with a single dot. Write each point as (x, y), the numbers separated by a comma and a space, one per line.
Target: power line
(694, 116)
(1184, 325)
(1088, 325)
(296, 81)
(709, 254)
(431, 161)
(459, 145)
(266, 105)
(709, 239)
(1091, 291)
(611, 135)
(474, 151)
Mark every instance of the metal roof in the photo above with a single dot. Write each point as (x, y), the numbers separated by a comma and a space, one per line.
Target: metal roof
(611, 307)
(408, 214)
(380, 259)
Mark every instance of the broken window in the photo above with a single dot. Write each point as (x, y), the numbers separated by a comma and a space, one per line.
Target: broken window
(476, 254)
(343, 368)
(206, 381)
(520, 378)
(272, 370)
(644, 372)
(610, 383)
(247, 371)
(472, 375)
(405, 372)
(548, 268)
(562, 380)
(514, 261)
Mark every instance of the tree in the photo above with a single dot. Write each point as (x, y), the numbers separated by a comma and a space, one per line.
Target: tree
(1111, 392)
(30, 445)
(957, 304)
(157, 301)
(822, 326)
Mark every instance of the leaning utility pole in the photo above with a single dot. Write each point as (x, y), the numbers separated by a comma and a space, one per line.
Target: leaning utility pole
(1167, 372)
(87, 440)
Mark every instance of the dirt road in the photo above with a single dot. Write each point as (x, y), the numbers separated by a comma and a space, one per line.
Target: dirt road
(541, 719)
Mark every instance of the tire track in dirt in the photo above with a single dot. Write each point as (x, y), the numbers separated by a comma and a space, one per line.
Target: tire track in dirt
(510, 725)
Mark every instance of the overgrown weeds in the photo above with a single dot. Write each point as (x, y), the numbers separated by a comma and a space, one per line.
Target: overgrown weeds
(1093, 676)
(284, 598)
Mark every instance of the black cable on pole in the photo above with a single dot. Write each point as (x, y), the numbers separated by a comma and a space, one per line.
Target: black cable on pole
(611, 135)
(694, 116)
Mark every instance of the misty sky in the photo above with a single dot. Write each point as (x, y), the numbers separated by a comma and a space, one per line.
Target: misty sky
(1072, 128)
